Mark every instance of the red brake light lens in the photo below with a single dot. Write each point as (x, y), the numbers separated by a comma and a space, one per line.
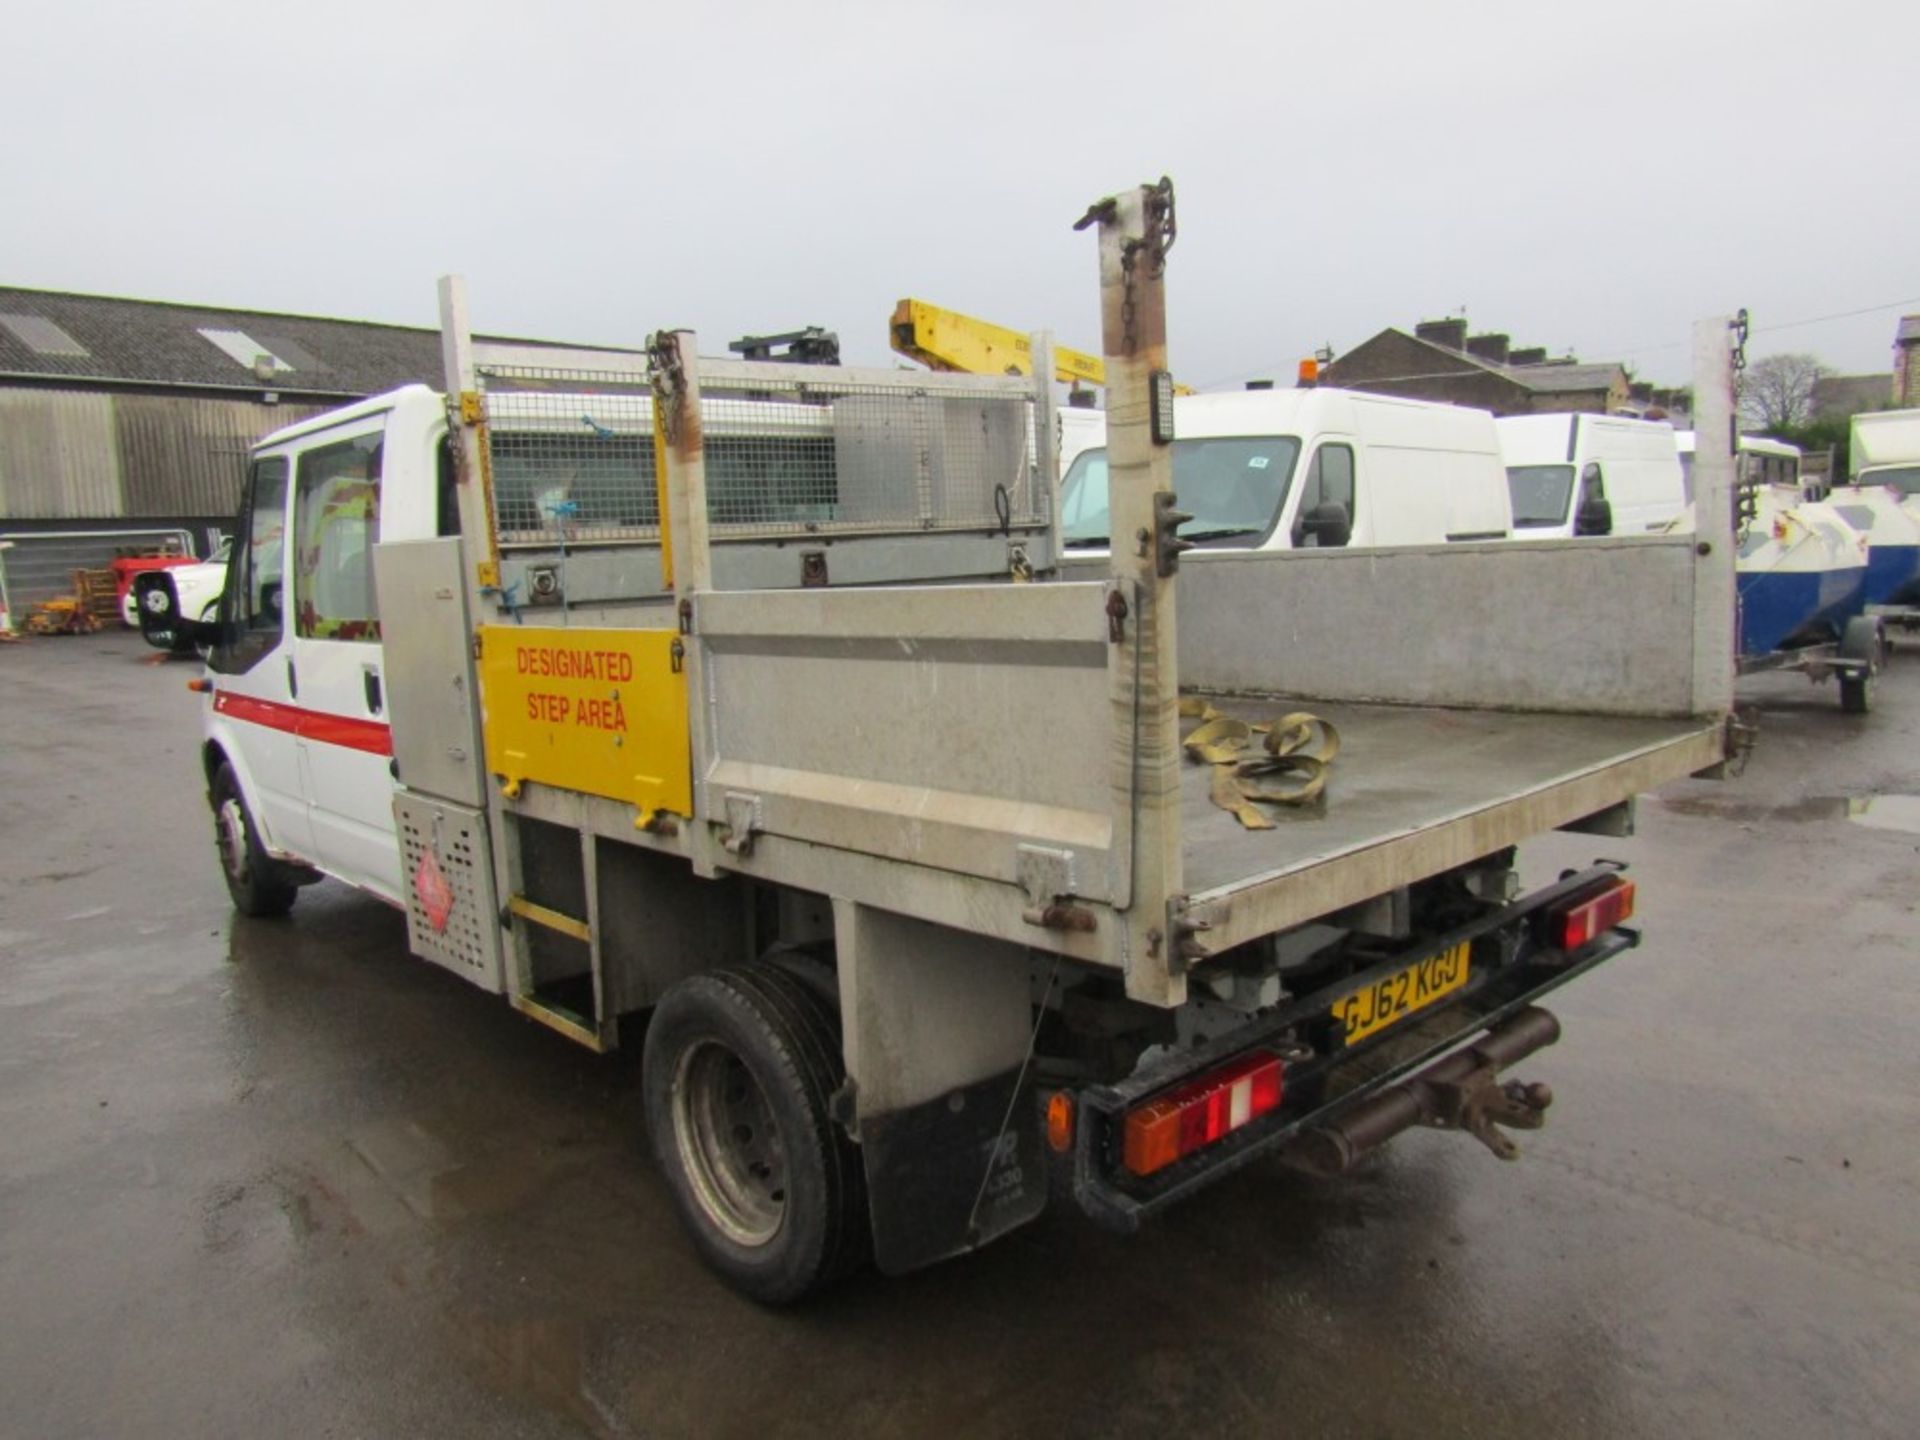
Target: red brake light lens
(1584, 920)
(1209, 1108)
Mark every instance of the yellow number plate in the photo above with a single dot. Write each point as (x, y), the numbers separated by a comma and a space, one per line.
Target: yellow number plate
(1386, 1002)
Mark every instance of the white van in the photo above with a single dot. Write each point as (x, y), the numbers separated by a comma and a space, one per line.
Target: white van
(1592, 475)
(1081, 429)
(1281, 469)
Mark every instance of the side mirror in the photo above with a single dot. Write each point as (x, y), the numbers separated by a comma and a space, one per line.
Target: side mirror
(1327, 526)
(1595, 516)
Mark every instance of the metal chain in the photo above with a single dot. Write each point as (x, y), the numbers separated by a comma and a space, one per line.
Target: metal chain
(1162, 230)
(1741, 329)
(669, 382)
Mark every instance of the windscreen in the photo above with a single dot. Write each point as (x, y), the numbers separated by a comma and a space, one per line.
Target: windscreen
(1233, 487)
(1541, 494)
(1903, 478)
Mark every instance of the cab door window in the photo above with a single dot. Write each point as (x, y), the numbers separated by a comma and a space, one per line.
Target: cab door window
(1329, 482)
(337, 512)
(252, 610)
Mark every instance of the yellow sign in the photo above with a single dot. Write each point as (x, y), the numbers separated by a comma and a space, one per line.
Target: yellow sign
(1386, 1002)
(600, 712)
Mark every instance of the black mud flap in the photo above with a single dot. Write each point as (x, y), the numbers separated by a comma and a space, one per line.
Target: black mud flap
(944, 1178)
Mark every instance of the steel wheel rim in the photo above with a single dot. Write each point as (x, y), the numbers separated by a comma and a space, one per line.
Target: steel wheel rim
(230, 831)
(730, 1148)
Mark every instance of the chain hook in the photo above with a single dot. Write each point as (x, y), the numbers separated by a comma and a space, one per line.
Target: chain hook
(663, 360)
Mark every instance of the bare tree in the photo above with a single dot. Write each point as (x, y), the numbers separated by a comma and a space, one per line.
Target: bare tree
(1777, 392)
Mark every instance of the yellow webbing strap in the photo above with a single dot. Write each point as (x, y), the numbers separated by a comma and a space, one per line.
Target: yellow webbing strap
(1299, 747)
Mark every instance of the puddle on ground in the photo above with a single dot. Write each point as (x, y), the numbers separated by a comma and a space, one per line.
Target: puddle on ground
(1881, 812)
(1886, 812)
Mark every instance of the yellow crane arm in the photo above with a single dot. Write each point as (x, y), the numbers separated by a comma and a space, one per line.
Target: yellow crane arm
(947, 340)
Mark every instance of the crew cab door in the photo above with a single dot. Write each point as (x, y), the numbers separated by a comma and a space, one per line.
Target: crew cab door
(253, 669)
(335, 657)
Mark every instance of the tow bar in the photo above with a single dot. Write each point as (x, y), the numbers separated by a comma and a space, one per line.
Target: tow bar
(1461, 1092)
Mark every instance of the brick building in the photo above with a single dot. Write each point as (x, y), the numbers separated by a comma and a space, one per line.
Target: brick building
(1906, 364)
(1441, 361)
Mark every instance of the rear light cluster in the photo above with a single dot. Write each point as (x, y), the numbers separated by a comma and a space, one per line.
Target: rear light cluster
(1204, 1110)
(1585, 919)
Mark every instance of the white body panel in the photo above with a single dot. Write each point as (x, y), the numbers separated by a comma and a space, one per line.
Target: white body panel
(1638, 468)
(1421, 473)
(1884, 437)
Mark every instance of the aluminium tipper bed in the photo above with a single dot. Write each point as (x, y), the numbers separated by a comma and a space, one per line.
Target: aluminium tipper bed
(1415, 790)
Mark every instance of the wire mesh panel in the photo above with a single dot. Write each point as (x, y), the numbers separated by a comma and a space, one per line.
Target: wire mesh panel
(572, 454)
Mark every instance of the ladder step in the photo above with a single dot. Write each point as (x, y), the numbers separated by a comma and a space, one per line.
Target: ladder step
(552, 919)
(554, 1017)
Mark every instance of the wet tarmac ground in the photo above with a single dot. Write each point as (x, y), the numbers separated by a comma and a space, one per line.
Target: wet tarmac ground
(278, 1178)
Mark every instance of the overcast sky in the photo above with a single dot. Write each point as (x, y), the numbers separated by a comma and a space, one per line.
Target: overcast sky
(1589, 178)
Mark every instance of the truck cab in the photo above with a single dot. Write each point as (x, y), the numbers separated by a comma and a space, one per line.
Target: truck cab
(1884, 449)
(1314, 468)
(299, 708)
(1576, 474)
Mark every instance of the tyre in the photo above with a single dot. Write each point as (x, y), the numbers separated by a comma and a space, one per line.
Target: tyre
(739, 1069)
(157, 606)
(259, 884)
(1865, 641)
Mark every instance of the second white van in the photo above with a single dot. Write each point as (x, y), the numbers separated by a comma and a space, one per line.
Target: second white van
(1592, 475)
(1285, 469)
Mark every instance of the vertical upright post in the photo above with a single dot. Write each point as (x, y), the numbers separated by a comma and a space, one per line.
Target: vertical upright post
(466, 428)
(676, 398)
(480, 555)
(1715, 638)
(1046, 439)
(1142, 662)
(676, 403)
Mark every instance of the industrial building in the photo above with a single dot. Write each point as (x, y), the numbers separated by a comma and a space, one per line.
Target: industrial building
(124, 424)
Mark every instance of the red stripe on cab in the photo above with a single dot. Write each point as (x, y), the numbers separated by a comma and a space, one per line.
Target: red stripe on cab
(344, 730)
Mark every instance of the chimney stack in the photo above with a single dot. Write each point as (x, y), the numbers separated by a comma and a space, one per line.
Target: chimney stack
(1534, 355)
(1450, 333)
(1490, 347)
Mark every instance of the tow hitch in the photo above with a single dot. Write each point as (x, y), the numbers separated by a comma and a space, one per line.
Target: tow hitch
(1461, 1092)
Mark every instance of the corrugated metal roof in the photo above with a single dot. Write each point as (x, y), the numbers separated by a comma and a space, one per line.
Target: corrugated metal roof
(158, 342)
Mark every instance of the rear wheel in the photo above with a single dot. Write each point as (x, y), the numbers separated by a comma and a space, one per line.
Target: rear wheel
(1863, 641)
(739, 1069)
(259, 884)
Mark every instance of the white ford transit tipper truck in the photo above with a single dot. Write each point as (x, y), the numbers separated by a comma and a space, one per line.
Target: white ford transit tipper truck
(709, 690)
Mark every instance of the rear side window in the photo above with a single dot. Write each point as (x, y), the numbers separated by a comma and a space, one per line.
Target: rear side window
(337, 514)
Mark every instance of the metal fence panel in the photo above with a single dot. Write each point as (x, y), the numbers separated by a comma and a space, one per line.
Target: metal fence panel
(807, 451)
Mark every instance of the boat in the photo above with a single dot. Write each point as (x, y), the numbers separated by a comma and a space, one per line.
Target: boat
(1892, 528)
(1801, 573)
(1802, 567)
